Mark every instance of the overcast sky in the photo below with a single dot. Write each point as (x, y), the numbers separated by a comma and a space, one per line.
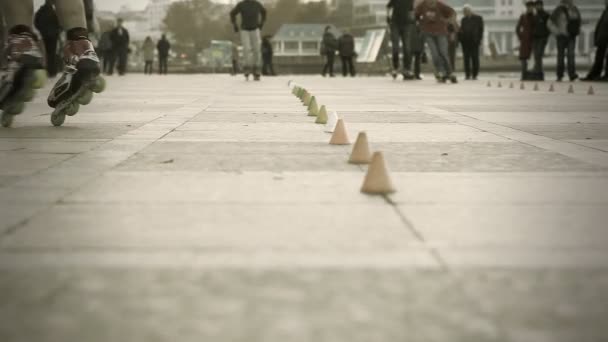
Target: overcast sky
(109, 5)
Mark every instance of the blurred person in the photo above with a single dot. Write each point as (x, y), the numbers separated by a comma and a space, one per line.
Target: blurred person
(163, 47)
(525, 34)
(346, 50)
(601, 43)
(47, 23)
(434, 16)
(329, 45)
(253, 17)
(401, 22)
(471, 37)
(565, 24)
(452, 45)
(539, 39)
(148, 49)
(104, 46)
(80, 77)
(120, 48)
(267, 55)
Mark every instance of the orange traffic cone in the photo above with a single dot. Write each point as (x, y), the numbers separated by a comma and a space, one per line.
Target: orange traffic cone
(360, 153)
(340, 135)
(377, 180)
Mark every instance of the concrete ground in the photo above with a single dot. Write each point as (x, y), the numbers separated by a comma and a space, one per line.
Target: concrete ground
(205, 208)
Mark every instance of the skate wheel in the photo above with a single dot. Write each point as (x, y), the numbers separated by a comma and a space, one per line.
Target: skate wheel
(85, 98)
(99, 85)
(7, 119)
(39, 79)
(14, 108)
(28, 94)
(57, 118)
(72, 109)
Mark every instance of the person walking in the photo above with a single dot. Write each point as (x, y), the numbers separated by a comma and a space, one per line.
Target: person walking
(47, 23)
(120, 48)
(401, 22)
(539, 39)
(105, 49)
(148, 49)
(565, 24)
(470, 36)
(267, 55)
(24, 59)
(163, 47)
(434, 17)
(346, 49)
(253, 16)
(525, 34)
(329, 45)
(452, 45)
(601, 44)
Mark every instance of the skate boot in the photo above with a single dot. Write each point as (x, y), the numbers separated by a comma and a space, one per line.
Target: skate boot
(453, 79)
(256, 77)
(246, 76)
(407, 75)
(81, 78)
(440, 78)
(394, 74)
(22, 75)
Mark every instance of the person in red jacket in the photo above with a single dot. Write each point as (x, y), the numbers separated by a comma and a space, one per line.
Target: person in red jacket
(525, 34)
(433, 17)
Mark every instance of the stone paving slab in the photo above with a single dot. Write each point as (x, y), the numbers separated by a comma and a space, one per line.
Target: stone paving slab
(208, 208)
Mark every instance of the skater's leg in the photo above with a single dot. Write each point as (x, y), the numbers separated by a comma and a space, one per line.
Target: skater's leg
(417, 58)
(122, 62)
(561, 50)
(344, 67)
(431, 41)
(475, 60)
(467, 58)
(395, 46)
(330, 62)
(256, 45)
(406, 40)
(17, 12)
(571, 55)
(443, 47)
(50, 47)
(247, 53)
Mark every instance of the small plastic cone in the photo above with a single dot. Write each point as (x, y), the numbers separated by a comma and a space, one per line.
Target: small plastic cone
(322, 116)
(499, 84)
(522, 86)
(377, 180)
(332, 121)
(340, 135)
(551, 88)
(590, 91)
(307, 99)
(489, 84)
(511, 85)
(571, 89)
(535, 86)
(360, 153)
(313, 108)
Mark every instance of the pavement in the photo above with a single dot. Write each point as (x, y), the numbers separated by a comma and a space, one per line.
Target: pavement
(206, 208)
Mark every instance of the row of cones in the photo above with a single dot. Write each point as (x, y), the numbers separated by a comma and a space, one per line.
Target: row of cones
(522, 86)
(377, 179)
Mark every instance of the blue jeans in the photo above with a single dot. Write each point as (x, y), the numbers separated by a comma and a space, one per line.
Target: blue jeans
(438, 44)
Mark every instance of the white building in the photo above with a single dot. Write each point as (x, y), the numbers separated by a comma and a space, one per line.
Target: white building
(155, 13)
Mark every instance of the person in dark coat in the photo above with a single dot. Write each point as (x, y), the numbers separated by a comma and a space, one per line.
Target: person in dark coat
(525, 34)
(120, 47)
(601, 43)
(105, 51)
(471, 37)
(47, 23)
(267, 55)
(539, 39)
(565, 24)
(346, 49)
(328, 49)
(163, 46)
